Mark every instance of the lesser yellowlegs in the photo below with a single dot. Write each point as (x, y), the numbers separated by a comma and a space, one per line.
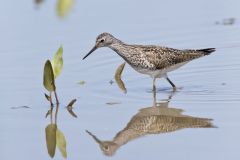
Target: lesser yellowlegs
(152, 60)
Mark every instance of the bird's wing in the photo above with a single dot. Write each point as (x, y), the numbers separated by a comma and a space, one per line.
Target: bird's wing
(163, 57)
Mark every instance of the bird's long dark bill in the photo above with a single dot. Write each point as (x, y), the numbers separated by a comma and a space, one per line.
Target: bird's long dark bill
(92, 50)
(94, 137)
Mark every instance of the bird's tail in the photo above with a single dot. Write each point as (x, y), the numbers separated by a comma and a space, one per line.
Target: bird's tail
(206, 51)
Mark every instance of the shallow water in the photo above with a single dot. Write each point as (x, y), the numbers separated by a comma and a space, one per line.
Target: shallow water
(208, 87)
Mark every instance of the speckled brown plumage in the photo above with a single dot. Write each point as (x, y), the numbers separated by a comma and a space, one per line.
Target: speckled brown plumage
(153, 60)
(155, 57)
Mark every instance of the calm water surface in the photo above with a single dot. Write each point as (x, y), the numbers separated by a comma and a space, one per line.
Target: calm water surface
(208, 95)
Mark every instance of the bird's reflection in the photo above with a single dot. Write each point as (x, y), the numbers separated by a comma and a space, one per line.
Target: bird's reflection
(159, 118)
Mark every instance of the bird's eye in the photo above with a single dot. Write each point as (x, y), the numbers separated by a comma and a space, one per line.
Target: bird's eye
(106, 147)
(102, 40)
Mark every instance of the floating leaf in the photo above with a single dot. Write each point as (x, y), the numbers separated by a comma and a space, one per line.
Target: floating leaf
(226, 21)
(61, 143)
(111, 82)
(81, 82)
(113, 103)
(48, 77)
(51, 139)
(118, 79)
(57, 62)
(19, 107)
(63, 7)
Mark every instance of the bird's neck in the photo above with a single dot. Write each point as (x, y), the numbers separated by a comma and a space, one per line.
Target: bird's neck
(125, 136)
(122, 49)
(117, 46)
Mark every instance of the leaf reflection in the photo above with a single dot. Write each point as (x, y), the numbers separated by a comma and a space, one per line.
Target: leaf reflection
(54, 137)
(50, 131)
(61, 143)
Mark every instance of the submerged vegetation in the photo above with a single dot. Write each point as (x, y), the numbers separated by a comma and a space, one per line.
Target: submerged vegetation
(55, 137)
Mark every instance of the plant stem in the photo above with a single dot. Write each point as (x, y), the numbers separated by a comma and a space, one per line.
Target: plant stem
(50, 99)
(56, 113)
(51, 111)
(51, 103)
(55, 93)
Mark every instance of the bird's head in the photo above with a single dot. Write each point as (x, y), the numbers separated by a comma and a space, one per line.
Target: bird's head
(102, 40)
(108, 147)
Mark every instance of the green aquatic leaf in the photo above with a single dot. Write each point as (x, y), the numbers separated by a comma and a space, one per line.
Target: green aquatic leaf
(63, 7)
(57, 62)
(50, 131)
(61, 143)
(48, 77)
